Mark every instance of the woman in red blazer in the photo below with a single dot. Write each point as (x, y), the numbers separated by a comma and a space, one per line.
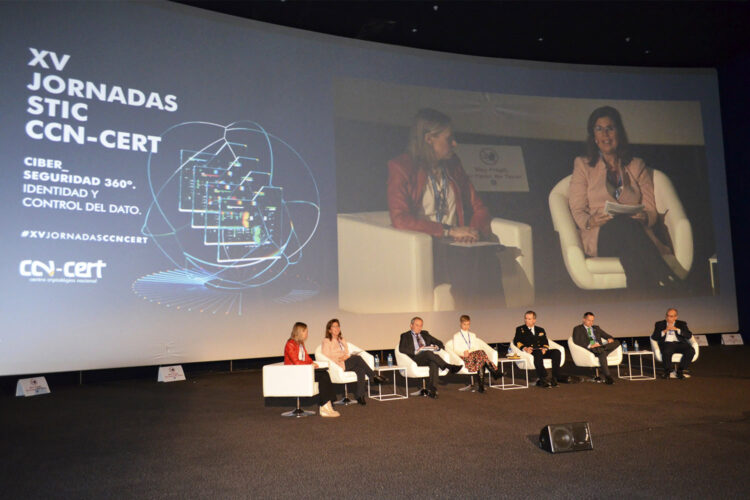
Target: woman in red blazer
(296, 354)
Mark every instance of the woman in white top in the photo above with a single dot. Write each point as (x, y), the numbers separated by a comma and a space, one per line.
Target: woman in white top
(476, 360)
(336, 349)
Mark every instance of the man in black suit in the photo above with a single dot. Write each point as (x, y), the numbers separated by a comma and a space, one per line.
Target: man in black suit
(419, 346)
(673, 336)
(600, 343)
(533, 339)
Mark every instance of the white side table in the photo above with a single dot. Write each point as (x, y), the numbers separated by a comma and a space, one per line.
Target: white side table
(640, 375)
(394, 393)
(512, 384)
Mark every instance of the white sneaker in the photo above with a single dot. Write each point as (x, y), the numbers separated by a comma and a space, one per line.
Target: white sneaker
(328, 411)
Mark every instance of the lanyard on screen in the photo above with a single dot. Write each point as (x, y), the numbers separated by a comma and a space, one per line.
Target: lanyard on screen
(441, 195)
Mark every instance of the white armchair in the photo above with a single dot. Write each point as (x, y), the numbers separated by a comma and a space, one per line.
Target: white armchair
(455, 359)
(383, 269)
(339, 375)
(529, 359)
(585, 358)
(284, 381)
(595, 273)
(413, 370)
(676, 358)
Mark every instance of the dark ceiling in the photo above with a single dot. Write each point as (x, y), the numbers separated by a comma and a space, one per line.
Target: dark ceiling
(677, 33)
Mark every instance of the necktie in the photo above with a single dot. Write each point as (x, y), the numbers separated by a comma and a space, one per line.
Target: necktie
(420, 341)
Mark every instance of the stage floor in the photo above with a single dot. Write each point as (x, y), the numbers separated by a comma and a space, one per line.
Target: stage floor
(214, 436)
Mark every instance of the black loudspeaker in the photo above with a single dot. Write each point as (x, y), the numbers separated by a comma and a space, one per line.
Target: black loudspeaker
(559, 438)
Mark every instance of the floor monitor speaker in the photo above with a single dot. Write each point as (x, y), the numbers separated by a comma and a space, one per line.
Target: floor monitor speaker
(559, 438)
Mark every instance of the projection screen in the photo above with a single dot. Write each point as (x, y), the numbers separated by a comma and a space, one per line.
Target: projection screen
(183, 186)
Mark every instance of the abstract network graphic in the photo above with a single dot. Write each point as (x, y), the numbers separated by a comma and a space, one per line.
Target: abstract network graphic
(232, 209)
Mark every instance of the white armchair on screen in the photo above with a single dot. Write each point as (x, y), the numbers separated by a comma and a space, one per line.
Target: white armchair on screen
(584, 358)
(285, 381)
(676, 358)
(339, 375)
(595, 273)
(529, 359)
(383, 269)
(456, 358)
(413, 370)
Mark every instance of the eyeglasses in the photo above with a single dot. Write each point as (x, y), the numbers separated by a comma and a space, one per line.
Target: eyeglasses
(608, 128)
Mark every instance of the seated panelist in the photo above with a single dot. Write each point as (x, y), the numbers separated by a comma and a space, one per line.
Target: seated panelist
(600, 343)
(336, 349)
(673, 337)
(475, 359)
(533, 340)
(419, 345)
(295, 353)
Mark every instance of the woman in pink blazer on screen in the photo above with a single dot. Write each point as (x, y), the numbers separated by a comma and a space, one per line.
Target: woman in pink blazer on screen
(610, 173)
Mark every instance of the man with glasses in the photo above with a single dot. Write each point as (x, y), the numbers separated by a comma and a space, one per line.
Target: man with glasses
(673, 337)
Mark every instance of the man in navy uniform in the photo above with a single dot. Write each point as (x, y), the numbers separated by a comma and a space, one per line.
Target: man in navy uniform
(533, 340)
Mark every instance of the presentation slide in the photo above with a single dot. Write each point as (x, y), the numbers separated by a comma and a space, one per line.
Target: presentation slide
(183, 186)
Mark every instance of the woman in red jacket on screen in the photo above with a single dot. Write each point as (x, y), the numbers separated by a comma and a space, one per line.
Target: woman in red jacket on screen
(429, 192)
(296, 354)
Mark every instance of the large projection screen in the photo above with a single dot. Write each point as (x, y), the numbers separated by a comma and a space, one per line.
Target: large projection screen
(182, 186)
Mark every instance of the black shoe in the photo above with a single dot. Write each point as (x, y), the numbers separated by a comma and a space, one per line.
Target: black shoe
(542, 383)
(564, 379)
(454, 368)
(379, 379)
(608, 380)
(361, 400)
(553, 381)
(664, 374)
(432, 393)
(680, 375)
(496, 373)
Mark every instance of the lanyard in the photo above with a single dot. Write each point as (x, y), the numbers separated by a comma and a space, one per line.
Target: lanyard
(441, 195)
(468, 342)
(614, 177)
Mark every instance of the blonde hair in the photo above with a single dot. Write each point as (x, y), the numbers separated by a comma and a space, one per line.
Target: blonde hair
(297, 330)
(426, 122)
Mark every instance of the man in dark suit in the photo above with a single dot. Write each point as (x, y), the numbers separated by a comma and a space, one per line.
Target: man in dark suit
(533, 339)
(419, 346)
(673, 336)
(600, 343)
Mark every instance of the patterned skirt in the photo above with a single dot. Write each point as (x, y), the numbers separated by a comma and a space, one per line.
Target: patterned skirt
(476, 359)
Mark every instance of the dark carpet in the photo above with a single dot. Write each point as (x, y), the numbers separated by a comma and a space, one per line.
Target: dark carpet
(214, 436)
